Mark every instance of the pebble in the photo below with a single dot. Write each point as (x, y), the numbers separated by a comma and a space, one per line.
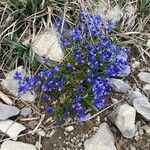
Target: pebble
(41, 132)
(26, 111)
(119, 85)
(146, 88)
(144, 76)
(124, 118)
(11, 145)
(11, 128)
(7, 111)
(69, 128)
(102, 140)
(142, 105)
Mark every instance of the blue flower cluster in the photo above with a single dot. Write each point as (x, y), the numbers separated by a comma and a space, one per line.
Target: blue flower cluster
(95, 60)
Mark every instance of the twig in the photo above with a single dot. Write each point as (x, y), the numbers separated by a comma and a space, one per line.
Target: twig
(6, 99)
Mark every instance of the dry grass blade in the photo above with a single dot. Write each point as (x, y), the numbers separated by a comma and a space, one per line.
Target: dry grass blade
(6, 99)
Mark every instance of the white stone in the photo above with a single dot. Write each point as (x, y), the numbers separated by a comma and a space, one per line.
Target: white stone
(69, 128)
(11, 145)
(12, 85)
(146, 88)
(25, 111)
(7, 111)
(47, 44)
(119, 85)
(142, 105)
(101, 9)
(148, 43)
(132, 95)
(124, 118)
(41, 132)
(11, 128)
(102, 140)
(115, 13)
(144, 76)
(136, 64)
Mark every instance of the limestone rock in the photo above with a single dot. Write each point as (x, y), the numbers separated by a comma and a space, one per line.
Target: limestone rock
(12, 85)
(132, 95)
(119, 85)
(142, 105)
(144, 76)
(11, 145)
(69, 128)
(124, 118)
(47, 44)
(102, 140)
(7, 111)
(25, 111)
(11, 128)
(146, 88)
(115, 13)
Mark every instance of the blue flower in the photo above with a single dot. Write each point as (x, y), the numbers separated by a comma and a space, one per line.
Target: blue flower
(18, 75)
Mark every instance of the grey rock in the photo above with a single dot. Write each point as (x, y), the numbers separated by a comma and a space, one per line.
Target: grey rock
(11, 128)
(146, 88)
(26, 111)
(12, 85)
(144, 76)
(142, 105)
(124, 118)
(69, 128)
(115, 13)
(132, 95)
(102, 140)
(119, 85)
(47, 44)
(12, 145)
(7, 111)
(41, 132)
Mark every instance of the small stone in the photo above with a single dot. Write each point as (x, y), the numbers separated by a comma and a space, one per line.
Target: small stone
(115, 13)
(146, 88)
(134, 94)
(124, 118)
(47, 44)
(25, 111)
(69, 128)
(136, 64)
(119, 85)
(142, 105)
(11, 145)
(7, 111)
(144, 76)
(102, 140)
(41, 132)
(11, 128)
(141, 132)
(32, 124)
(12, 85)
(114, 100)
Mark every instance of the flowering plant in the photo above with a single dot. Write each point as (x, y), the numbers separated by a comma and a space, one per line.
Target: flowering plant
(84, 75)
